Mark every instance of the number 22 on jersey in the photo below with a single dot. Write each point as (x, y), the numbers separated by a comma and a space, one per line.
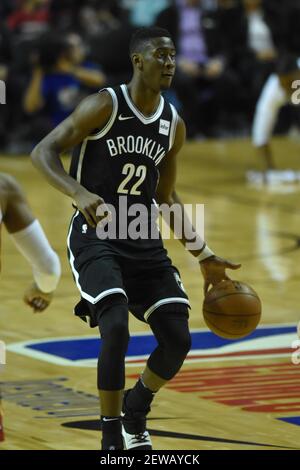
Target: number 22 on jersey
(130, 171)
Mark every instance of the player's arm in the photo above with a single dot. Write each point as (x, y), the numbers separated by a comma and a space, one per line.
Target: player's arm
(29, 238)
(92, 113)
(212, 267)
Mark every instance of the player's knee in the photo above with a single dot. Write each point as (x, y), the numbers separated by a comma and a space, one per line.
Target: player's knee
(179, 344)
(119, 334)
(186, 344)
(113, 326)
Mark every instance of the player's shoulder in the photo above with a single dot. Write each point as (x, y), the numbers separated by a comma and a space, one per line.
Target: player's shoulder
(180, 123)
(97, 102)
(180, 129)
(94, 110)
(175, 114)
(179, 136)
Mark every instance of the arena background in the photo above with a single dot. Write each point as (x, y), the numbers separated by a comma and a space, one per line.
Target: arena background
(229, 395)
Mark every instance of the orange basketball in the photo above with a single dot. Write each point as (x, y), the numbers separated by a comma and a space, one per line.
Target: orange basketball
(232, 309)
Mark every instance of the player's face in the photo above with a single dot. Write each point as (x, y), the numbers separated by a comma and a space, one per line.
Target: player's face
(159, 63)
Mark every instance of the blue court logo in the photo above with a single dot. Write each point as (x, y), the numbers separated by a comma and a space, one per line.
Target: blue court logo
(268, 341)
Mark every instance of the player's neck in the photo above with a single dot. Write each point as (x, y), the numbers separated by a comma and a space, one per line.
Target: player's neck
(145, 99)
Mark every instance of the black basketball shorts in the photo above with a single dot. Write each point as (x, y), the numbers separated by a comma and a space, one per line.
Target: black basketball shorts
(100, 271)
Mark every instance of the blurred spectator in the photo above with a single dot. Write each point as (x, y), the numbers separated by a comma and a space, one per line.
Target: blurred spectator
(5, 51)
(227, 49)
(6, 7)
(143, 13)
(205, 85)
(30, 19)
(98, 17)
(26, 24)
(293, 36)
(276, 93)
(264, 24)
(65, 14)
(61, 78)
(260, 39)
(5, 59)
(108, 26)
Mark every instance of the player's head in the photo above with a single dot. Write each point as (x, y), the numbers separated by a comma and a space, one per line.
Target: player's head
(288, 70)
(152, 53)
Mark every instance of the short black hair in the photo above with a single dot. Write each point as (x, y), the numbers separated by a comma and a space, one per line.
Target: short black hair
(287, 63)
(141, 36)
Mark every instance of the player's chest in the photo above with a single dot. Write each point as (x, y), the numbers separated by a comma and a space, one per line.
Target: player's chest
(144, 148)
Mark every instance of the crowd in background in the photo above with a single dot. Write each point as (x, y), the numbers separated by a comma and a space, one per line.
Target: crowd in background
(55, 52)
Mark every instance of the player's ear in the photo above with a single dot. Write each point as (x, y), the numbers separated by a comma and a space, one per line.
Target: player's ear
(137, 61)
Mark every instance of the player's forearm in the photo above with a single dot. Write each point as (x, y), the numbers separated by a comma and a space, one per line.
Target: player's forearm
(183, 228)
(48, 162)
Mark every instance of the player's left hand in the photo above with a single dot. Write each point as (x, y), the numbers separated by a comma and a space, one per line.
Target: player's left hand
(214, 270)
(36, 299)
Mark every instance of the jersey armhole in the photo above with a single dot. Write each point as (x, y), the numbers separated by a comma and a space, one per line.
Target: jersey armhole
(98, 133)
(174, 123)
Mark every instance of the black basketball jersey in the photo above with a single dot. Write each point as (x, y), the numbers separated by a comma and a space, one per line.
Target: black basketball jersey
(122, 160)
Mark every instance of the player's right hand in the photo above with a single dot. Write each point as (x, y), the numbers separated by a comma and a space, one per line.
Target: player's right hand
(36, 299)
(88, 203)
(214, 270)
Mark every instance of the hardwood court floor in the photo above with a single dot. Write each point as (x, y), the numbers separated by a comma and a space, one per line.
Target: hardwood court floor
(229, 402)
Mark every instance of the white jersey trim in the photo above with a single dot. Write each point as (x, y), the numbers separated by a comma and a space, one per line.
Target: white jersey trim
(101, 133)
(168, 300)
(173, 126)
(137, 112)
(84, 295)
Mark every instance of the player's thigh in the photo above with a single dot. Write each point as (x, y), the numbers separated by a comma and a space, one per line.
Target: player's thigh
(157, 289)
(96, 271)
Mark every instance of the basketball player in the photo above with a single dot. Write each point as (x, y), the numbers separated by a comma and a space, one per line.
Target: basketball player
(128, 139)
(276, 93)
(30, 240)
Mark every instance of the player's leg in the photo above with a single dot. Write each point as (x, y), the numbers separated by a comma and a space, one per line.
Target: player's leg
(32, 243)
(16, 211)
(157, 297)
(30, 239)
(171, 331)
(103, 299)
(113, 327)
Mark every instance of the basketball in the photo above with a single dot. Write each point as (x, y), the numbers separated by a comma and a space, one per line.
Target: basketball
(232, 309)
